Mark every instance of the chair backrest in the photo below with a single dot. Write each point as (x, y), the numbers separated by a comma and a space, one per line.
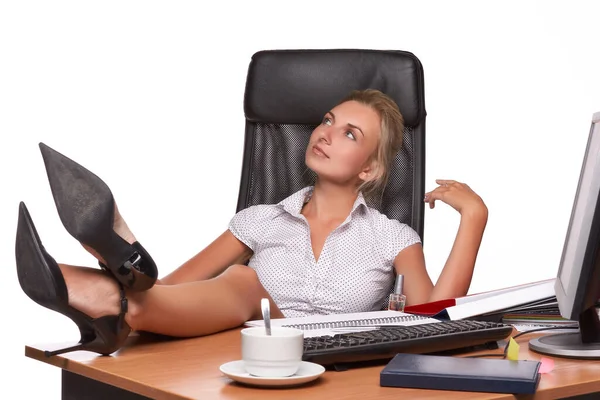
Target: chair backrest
(287, 94)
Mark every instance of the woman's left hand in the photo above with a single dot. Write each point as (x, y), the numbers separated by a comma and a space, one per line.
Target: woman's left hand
(458, 196)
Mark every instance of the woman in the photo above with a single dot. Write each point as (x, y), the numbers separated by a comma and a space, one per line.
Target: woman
(321, 250)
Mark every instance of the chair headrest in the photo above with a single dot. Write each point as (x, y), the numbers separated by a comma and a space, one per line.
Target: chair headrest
(300, 86)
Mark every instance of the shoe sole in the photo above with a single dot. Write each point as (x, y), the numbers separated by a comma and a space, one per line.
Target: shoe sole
(86, 207)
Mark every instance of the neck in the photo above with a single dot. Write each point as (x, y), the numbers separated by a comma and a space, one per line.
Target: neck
(330, 202)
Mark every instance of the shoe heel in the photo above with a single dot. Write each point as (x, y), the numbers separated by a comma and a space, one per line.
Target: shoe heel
(65, 350)
(86, 208)
(107, 336)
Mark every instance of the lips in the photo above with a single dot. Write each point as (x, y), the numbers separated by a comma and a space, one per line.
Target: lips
(319, 151)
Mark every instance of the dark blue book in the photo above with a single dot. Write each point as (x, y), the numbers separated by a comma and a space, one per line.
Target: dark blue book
(424, 371)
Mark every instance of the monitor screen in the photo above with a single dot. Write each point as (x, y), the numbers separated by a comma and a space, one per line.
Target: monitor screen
(581, 243)
(577, 284)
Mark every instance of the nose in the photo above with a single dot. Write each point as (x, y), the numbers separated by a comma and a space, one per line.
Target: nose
(325, 134)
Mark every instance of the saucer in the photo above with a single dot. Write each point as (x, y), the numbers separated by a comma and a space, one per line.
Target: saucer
(307, 372)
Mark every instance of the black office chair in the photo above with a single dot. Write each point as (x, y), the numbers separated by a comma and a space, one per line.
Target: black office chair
(287, 94)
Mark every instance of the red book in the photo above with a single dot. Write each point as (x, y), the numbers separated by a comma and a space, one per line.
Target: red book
(430, 308)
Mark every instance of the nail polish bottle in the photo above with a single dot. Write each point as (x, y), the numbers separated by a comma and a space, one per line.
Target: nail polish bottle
(397, 299)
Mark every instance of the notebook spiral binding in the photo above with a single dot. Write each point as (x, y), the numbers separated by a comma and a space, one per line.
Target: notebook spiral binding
(355, 322)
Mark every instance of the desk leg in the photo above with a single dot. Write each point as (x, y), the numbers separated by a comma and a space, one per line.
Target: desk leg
(78, 387)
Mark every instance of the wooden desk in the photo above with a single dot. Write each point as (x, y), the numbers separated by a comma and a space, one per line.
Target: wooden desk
(189, 369)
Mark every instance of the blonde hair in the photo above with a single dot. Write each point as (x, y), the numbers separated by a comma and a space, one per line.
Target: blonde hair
(390, 140)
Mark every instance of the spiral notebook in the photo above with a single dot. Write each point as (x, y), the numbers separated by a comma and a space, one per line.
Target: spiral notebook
(329, 325)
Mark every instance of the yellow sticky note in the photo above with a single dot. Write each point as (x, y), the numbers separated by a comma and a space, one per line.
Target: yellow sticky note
(513, 350)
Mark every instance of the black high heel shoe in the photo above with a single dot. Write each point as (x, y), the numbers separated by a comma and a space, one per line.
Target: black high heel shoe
(86, 208)
(42, 280)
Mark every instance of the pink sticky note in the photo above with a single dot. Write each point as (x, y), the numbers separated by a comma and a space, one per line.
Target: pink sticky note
(547, 365)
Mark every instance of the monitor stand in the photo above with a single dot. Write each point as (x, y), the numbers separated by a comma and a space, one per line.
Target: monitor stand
(582, 344)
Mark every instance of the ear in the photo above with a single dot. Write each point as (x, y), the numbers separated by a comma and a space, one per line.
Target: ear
(371, 172)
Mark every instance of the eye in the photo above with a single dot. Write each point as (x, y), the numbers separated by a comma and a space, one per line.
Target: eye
(327, 121)
(350, 135)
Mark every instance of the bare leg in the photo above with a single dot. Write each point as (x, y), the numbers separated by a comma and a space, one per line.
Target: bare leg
(189, 309)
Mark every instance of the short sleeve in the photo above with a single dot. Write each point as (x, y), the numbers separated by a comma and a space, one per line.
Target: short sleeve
(247, 224)
(400, 237)
(395, 236)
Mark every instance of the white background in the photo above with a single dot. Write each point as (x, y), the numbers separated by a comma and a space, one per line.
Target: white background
(148, 95)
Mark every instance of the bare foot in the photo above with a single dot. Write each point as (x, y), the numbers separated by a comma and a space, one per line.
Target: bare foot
(120, 227)
(94, 293)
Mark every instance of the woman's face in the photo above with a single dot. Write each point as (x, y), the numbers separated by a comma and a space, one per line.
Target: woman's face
(340, 148)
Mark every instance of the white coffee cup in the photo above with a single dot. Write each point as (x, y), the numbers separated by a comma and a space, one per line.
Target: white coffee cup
(278, 355)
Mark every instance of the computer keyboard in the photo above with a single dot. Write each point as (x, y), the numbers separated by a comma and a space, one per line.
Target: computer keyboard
(386, 341)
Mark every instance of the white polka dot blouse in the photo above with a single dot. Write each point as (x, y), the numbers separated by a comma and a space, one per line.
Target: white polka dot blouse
(354, 271)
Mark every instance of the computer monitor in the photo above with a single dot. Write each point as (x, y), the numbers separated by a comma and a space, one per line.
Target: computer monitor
(578, 279)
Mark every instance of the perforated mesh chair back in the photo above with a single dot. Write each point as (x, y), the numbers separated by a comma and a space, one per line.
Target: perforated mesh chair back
(287, 94)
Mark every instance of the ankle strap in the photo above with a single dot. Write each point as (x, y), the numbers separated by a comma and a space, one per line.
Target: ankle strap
(124, 306)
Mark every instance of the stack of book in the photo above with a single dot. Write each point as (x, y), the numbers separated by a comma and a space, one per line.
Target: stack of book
(544, 312)
(529, 304)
